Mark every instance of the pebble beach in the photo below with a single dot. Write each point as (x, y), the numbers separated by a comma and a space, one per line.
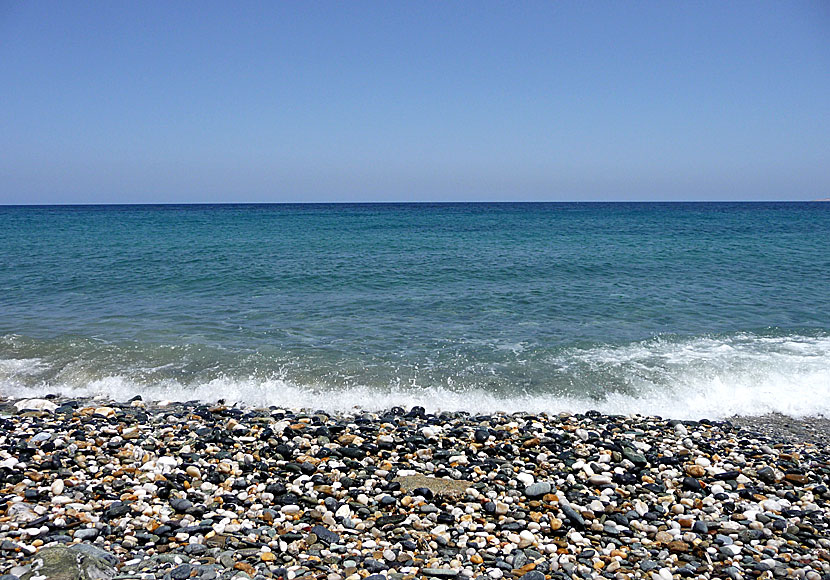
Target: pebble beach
(141, 490)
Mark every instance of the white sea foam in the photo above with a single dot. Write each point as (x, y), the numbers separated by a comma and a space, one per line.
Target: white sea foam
(20, 367)
(712, 377)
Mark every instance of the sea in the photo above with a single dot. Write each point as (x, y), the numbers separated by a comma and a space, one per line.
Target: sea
(683, 310)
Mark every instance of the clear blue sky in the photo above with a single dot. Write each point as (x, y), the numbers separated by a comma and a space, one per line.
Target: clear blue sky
(388, 101)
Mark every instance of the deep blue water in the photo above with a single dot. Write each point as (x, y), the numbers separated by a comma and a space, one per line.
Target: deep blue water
(679, 309)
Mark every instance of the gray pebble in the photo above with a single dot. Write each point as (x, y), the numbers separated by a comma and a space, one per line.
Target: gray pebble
(86, 534)
(537, 489)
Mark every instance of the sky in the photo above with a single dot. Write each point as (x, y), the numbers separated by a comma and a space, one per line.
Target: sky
(183, 102)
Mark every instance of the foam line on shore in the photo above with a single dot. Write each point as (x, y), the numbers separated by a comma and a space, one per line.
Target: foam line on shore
(809, 397)
(690, 378)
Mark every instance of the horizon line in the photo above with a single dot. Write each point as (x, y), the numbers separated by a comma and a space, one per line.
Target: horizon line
(415, 202)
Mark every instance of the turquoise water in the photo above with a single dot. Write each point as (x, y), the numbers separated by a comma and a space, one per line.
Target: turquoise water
(676, 309)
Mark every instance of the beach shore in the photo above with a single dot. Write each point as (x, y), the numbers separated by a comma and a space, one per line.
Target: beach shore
(101, 489)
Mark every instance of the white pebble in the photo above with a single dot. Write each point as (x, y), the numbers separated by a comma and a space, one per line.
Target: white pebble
(57, 487)
(526, 538)
(771, 505)
(599, 480)
(525, 478)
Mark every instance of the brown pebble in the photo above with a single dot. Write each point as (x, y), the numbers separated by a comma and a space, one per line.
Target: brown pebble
(217, 541)
(524, 569)
(245, 567)
(695, 470)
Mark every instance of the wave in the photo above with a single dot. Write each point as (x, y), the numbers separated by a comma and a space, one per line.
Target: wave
(680, 377)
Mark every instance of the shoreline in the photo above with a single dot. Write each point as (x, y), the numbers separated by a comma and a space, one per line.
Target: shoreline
(813, 429)
(809, 430)
(196, 490)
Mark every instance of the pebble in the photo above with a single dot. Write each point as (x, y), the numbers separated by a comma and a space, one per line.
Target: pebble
(537, 490)
(57, 487)
(191, 490)
(35, 405)
(85, 534)
(599, 480)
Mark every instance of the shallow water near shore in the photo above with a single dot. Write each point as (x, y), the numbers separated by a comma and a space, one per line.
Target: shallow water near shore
(679, 310)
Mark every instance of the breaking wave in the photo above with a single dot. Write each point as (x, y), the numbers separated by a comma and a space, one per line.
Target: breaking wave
(680, 377)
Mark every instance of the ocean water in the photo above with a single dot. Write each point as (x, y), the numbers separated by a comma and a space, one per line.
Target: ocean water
(682, 310)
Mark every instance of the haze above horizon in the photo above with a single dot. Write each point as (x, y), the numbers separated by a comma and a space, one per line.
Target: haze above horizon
(358, 102)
